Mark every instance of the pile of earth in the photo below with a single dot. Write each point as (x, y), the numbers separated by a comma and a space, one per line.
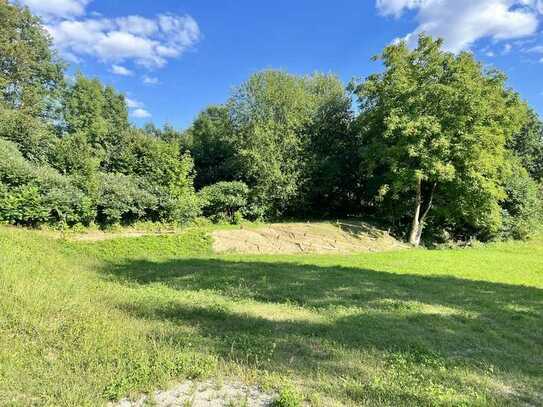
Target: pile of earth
(292, 238)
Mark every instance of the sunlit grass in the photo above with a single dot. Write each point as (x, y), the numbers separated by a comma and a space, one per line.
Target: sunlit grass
(81, 323)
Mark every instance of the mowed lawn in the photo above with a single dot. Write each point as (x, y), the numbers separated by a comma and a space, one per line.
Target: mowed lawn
(84, 323)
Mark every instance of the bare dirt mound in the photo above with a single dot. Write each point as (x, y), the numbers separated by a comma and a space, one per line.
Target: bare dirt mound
(341, 237)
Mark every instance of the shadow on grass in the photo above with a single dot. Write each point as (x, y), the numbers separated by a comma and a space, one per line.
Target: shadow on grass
(432, 321)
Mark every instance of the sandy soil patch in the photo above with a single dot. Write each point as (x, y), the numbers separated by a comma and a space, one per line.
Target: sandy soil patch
(352, 237)
(206, 394)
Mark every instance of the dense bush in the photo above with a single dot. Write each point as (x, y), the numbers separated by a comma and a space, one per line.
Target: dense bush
(522, 211)
(32, 194)
(225, 201)
(121, 199)
(22, 205)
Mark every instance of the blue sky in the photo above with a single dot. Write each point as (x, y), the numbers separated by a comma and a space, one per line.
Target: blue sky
(172, 58)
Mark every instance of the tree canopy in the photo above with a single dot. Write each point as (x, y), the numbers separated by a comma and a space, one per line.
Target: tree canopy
(435, 127)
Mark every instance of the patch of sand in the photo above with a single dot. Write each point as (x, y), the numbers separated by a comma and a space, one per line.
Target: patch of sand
(205, 394)
(348, 237)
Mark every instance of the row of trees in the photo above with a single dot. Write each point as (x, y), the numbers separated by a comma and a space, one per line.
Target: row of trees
(436, 141)
(68, 152)
(433, 141)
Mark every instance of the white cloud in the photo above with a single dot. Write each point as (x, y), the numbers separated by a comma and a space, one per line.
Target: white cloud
(150, 80)
(132, 103)
(140, 114)
(137, 108)
(148, 42)
(121, 70)
(53, 9)
(462, 22)
(137, 25)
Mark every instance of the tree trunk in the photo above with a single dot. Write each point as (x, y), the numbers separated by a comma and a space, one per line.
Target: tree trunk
(418, 219)
(416, 227)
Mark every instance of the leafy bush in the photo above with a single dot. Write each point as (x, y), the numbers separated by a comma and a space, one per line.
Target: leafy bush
(22, 205)
(70, 206)
(225, 200)
(522, 211)
(32, 194)
(122, 200)
(14, 169)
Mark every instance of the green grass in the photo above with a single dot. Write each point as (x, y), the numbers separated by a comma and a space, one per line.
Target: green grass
(82, 323)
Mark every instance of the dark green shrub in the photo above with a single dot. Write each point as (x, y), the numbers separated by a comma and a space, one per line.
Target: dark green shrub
(522, 211)
(14, 169)
(70, 206)
(22, 205)
(32, 194)
(122, 200)
(224, 201)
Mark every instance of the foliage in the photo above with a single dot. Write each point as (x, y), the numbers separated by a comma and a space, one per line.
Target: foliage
(23, 205)
(527, 144)
(523, 208)
(434, 132)
(35, 139)
(31, 75)
(31, 194)
(225, 200)
(121, 199)
(96, 111)
(278, 123)
(212, 147)
(288, 397)
(434, 143)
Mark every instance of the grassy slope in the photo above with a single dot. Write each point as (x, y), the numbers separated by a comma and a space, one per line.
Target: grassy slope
(81, 322)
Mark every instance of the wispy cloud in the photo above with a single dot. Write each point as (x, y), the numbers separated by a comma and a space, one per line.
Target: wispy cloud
(56, 9)
(140, 114)
(150, 80)
(121, 70)
(132, 103)
(137, 108)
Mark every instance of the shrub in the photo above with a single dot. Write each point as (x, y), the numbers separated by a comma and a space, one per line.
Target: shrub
(225, 200)
(522, 211)
(22, 205)
(122, 200)
(69, 205)
(14, 169)
(32, 194)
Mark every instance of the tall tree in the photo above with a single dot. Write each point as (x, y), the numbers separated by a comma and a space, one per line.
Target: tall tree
(212, 147)
(31, 75)
(99, 114)
(527, 144)
(280, 123)
(435, 128)
(31, 81)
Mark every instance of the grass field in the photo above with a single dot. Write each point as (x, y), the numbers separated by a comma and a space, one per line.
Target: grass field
(84, 323)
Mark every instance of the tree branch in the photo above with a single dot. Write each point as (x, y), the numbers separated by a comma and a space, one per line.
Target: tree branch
(429, 203)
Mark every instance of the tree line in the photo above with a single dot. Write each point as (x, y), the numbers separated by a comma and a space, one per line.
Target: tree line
(434, 143)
